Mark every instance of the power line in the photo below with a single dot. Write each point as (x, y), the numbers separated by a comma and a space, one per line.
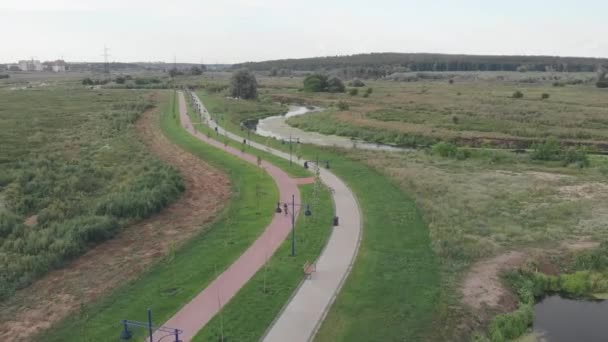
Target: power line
(106, 61)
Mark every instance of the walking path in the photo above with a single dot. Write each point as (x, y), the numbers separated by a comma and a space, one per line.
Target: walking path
(303, 314)
(194, 315)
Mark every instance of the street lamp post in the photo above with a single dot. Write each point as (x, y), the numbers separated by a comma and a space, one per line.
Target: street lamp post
(127, 334)
(307, 212)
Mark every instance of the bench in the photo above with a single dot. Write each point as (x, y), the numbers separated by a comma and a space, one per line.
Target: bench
(309, 269)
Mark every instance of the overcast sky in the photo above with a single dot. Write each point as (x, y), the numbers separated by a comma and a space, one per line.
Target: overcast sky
(229, 31)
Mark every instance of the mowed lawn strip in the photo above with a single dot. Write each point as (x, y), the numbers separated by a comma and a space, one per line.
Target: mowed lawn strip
(392, 290)
(390, 295)
(258, 303)
(170, 284)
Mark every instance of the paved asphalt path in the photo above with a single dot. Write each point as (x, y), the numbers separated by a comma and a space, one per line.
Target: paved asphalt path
(195, 315)
(300, 319)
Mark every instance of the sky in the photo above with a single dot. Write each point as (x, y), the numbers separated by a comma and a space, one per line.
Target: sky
(232, 31)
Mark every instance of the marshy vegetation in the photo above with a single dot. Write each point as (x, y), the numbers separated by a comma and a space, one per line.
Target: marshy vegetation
(72, 174)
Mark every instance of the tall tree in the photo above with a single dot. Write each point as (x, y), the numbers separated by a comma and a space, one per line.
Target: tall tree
(243, 85)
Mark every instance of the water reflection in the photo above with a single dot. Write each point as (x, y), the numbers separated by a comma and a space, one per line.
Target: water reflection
(558, 319)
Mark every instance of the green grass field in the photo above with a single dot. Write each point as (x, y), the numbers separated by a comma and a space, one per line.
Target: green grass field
(182, 275)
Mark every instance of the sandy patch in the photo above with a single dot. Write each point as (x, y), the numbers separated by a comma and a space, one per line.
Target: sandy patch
(482, 286)
(583, 191)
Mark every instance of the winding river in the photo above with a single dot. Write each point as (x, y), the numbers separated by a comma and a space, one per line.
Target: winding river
(277, 127)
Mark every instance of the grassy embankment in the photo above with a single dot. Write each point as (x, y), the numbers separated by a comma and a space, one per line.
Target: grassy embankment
(173, 282)
(392, 291)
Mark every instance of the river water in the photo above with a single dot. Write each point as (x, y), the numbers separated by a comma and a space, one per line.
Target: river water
(277, 127)
(558, 319)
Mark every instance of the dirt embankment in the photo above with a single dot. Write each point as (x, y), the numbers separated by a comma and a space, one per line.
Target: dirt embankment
(123, 258)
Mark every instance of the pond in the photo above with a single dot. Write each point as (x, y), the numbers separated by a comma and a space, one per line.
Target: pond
(277, 127)
(558, 319)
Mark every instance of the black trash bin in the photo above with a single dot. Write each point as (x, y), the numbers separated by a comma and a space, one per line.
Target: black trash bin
(336, 221)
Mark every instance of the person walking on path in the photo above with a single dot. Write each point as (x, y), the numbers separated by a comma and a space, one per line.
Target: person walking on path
(285, 208)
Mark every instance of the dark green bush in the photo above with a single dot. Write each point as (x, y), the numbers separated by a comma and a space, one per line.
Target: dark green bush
(343, 105)
(357, 83)
(602, 84)
(335, 85)
(576, 156)
(517, 95)
(353, 92)
(315, 83)
(547, 150)
(445, 149)
(509, 326)
(544, 96)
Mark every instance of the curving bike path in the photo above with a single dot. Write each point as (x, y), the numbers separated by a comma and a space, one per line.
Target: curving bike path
(199, 311)
(301, 317)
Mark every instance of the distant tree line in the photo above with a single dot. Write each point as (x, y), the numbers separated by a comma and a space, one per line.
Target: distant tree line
(378, 65)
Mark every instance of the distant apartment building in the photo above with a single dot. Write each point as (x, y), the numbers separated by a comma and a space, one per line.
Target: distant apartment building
(30, 65)
(55, 66)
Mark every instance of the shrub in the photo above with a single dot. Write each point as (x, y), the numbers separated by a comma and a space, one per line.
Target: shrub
(548, 150)
(196, 70)
(120, 80)
(451, 81)
(369, 91)
(335, 85)
(517, 94)
(445, 149)
(463, 153)
(544, 96)
(243, 85)
(455, 120)
(353, 92)
(315, 83)
(4, 76)
(8, 223)
(87, 81)
(576, 156)
(357, 83)
(343, 105)
(602, 84)
(509, 326)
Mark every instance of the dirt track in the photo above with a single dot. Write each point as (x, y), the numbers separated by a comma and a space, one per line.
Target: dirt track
(102, 269)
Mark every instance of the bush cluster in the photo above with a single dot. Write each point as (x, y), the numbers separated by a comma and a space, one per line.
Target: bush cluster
(550, 150)
(322, 83)
(449, 150)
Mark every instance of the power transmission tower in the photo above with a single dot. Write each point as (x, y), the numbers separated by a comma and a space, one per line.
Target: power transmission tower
(106, 61)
